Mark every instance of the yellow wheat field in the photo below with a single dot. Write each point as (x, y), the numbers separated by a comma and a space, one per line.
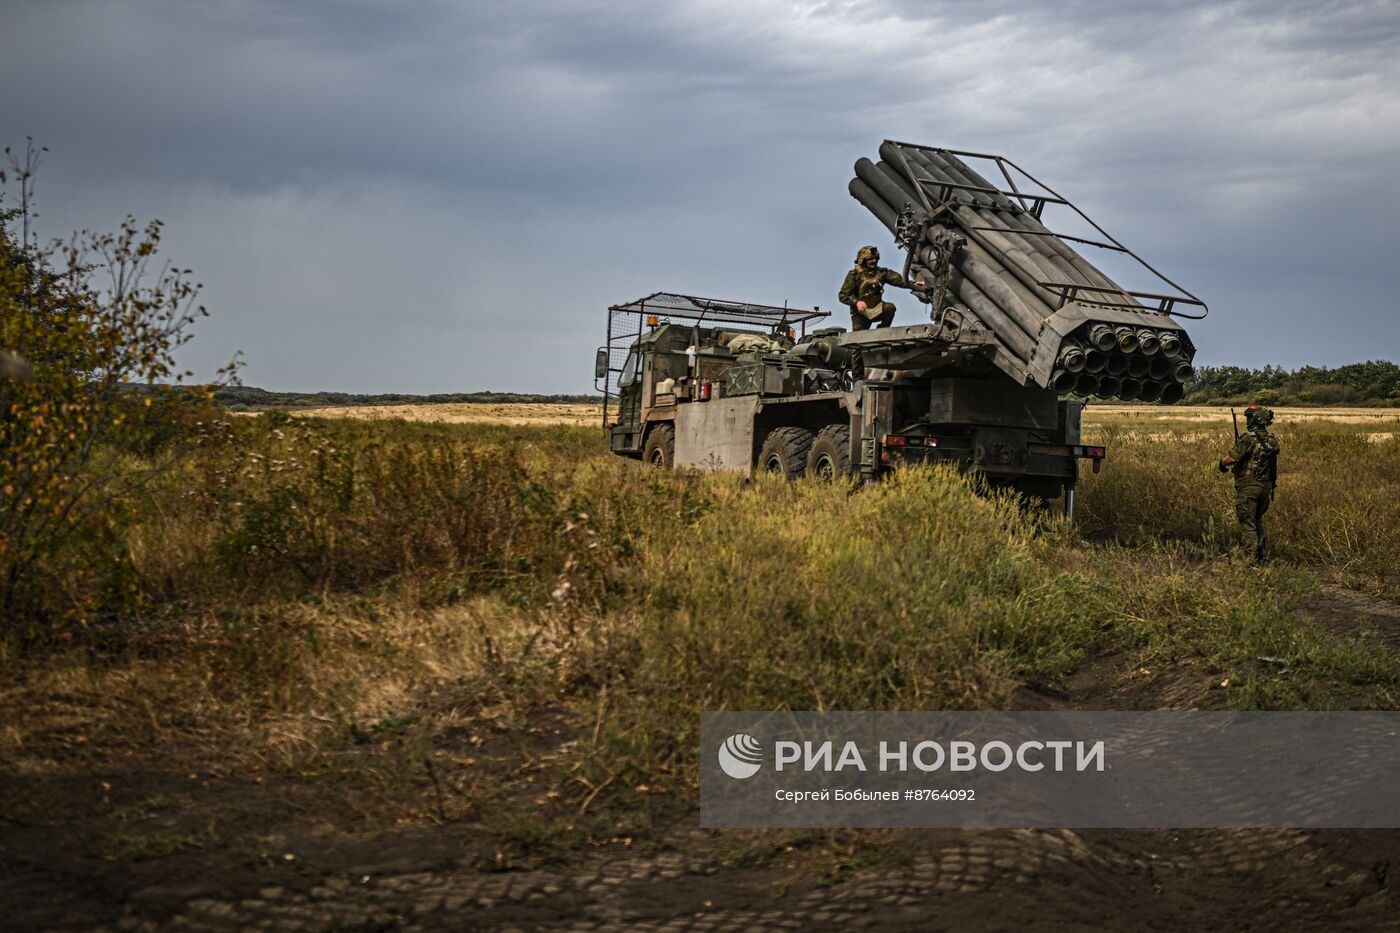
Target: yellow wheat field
(1383, 422)
(1179, 413)
(522, 413)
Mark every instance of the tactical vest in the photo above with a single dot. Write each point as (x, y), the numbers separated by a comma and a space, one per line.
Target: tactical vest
(1261, 463)
(870, 286)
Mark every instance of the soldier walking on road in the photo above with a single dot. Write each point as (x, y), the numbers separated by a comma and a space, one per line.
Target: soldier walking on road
(1254, 461)
(863, 292)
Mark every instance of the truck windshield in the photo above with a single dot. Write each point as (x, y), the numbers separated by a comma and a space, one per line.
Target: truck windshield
(629, 370)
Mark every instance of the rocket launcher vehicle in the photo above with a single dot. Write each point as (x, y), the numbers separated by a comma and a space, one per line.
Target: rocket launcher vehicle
(989, 259)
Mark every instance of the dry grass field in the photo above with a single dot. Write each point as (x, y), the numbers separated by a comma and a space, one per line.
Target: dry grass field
(1379, 424)
(524, 413)
(1173, 413)
(384, 672)
(1383, 422)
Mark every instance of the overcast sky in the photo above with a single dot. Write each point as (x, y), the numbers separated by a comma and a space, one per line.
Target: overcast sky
(445, 196)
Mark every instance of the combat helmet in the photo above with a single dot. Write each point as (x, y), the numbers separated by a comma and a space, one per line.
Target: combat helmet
(867, 252)
(1257, 416)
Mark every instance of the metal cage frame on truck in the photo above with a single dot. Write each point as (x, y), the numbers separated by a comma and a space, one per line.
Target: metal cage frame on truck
(627, 323)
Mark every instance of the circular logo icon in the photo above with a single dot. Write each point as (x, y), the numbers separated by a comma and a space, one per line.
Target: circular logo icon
(741, 756)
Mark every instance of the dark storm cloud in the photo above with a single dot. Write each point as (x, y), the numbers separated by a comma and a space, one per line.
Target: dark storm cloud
(407, 196)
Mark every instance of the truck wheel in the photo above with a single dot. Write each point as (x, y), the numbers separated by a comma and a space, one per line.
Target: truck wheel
(830, 458)
(660, 448)
(785, 451)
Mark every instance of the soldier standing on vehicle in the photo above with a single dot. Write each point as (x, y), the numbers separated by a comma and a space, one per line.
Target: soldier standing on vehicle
(863, 292)
(1254, 461)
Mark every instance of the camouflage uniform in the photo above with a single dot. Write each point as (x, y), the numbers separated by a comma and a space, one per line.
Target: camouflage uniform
(866, 282)
(1256, 471)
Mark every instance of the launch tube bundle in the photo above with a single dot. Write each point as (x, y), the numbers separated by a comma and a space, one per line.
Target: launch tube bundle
(1058, 321)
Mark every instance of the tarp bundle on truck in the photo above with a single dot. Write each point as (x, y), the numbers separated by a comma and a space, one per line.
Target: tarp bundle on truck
(1059, 322)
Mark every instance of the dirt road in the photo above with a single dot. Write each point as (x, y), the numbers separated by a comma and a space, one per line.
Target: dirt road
(1017, 880)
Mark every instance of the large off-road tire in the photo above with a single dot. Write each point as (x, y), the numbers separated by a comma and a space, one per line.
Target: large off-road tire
(830, 456)
(785, 452)
(660, 448)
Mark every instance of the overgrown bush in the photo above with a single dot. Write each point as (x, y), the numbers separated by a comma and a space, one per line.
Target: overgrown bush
(91, 317)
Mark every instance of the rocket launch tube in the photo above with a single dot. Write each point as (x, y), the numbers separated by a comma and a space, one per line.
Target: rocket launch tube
(1021, 259)
(1102, 337)
(1017, 342)
(1070, 265)
(977, 266)
(1072, 359)
(998, 211)
(873, 203)
(1051, 244)
(1063, 381)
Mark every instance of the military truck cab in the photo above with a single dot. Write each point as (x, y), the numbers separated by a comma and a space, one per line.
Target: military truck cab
(667, 352)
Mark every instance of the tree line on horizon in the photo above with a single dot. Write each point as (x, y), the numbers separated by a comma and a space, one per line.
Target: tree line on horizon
(1373, 383)
(247, 398)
